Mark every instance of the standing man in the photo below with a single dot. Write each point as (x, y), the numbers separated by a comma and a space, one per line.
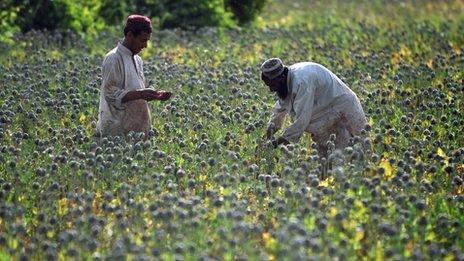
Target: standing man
(123, 97)
(317, 101)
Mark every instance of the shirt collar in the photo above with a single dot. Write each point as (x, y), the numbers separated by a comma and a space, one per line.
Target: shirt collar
(289, 81)
(124, 50)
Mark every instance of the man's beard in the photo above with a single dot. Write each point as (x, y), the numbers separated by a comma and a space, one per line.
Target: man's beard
(282, 92)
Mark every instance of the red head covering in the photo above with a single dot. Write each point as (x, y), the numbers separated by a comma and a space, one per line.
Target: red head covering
(137, 24)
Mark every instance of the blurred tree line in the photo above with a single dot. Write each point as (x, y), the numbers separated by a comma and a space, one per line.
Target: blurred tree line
(91, 16)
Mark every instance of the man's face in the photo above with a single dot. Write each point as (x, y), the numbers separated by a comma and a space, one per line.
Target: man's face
(275, 84)
(272, 84)
(139, 42)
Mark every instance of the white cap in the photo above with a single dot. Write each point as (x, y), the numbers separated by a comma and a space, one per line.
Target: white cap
(272, 68)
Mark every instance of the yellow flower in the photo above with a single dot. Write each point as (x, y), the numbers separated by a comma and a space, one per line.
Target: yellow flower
(82, 118)
(326, 182)
(387, 167)
(62, 206)
(269, 241)
(442, 154)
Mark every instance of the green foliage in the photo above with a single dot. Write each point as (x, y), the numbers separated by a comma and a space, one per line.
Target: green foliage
(245, 10)
(79, 16)
(113, 12)
(8, 15)
(200, 13)
(83, 16)
(89, 17)
(171, 14)
(191, 13)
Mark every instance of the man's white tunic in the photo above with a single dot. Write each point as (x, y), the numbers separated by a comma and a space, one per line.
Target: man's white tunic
(122, 72)
(319, 103)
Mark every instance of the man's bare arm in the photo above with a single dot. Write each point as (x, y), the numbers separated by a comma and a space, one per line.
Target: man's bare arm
(132, 96)
(146, 94)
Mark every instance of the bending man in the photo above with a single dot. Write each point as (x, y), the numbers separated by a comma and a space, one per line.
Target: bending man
(317, 101)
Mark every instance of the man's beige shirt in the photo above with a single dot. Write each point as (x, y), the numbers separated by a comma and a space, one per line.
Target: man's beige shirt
(317, 99)
(122, 72)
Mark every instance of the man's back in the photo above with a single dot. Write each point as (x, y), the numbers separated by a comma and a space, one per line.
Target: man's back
(328, 87)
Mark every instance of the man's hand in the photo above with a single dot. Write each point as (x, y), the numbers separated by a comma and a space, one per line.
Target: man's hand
(280, 140)
(271, 144)
(274, 143)
(163, 95)
(149, 95)
(270, 131)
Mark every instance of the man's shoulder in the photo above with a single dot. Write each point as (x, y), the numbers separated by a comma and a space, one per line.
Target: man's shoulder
(112, 51)
(111, 56)
(304, 66)
(305, 69)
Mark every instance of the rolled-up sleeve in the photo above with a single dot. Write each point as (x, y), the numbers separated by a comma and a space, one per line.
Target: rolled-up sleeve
(302, 105)
(279, 112)
(113, 83)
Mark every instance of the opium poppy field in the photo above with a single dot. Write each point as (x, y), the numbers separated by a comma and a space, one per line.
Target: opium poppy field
(202, 186)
